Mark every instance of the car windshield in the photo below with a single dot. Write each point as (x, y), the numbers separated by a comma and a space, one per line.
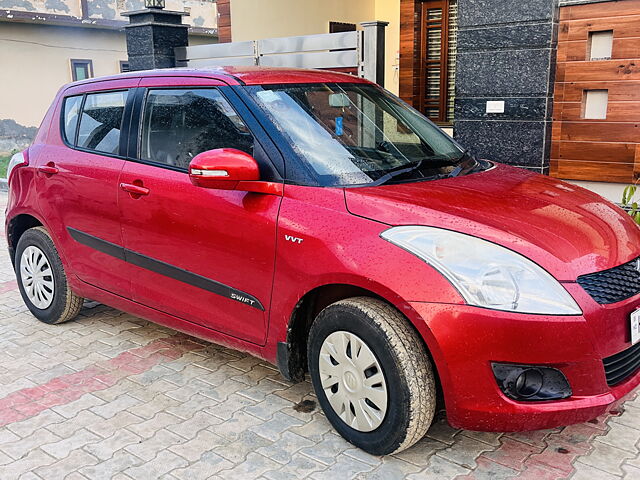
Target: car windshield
(358, 134)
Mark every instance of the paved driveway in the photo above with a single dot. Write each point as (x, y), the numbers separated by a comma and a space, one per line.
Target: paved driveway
(112, 396)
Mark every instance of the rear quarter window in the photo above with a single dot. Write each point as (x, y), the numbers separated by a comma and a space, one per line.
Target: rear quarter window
(70, 115)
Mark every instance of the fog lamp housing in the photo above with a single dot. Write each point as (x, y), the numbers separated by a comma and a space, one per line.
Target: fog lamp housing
(531, 383)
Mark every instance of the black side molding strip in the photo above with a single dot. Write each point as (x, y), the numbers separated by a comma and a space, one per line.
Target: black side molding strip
(164, 268)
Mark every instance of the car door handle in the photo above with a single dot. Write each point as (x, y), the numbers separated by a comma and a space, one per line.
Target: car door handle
(48, 169)
(134, 189)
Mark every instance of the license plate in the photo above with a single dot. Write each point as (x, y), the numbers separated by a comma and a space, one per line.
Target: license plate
(635, 327)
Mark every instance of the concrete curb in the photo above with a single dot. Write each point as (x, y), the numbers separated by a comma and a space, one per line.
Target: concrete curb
(4, 187)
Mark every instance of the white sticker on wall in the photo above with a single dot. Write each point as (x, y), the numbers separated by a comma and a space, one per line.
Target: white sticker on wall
(495, 106)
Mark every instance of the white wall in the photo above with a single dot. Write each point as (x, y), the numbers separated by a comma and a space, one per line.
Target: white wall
(610, 191)
(35, 63)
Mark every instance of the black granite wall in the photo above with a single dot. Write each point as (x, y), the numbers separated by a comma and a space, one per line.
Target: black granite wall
(506, 51)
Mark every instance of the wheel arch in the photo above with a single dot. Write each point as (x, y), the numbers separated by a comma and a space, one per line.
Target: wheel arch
(16, 228)
(292, 354)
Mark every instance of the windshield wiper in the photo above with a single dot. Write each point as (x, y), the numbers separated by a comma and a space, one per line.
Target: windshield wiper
(444, 162)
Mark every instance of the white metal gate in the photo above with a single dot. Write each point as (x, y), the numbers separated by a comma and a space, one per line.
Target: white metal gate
(358, 52)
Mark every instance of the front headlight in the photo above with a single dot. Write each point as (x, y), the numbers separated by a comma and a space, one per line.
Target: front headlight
(486, 275)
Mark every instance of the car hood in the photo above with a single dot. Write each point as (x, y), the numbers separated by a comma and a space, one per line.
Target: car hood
(566, 229)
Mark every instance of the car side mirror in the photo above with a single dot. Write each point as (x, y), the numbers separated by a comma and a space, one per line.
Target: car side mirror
(230, 169)
(223, 168)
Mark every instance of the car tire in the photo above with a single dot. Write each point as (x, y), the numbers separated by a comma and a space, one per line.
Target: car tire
(42, 280)
(389, 357)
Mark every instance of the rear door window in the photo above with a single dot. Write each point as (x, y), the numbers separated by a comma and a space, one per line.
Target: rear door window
(178, 124)
(101, 122)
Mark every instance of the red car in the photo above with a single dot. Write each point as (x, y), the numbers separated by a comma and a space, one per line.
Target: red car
(315, 220)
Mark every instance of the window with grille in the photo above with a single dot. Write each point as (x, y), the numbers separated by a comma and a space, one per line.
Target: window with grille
(438, 22)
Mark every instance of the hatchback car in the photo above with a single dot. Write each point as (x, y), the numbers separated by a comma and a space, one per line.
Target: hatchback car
(315, 220)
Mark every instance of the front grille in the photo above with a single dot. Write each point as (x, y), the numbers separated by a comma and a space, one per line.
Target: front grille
(622, 365)
(613, 285)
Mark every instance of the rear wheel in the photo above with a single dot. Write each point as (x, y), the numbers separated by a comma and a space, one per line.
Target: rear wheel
(42, 280)
(372, 375)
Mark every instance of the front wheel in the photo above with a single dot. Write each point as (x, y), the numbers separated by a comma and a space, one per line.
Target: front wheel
(42, 280)
(372, 375)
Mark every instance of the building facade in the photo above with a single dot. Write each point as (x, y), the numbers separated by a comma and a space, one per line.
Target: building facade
(45, 44)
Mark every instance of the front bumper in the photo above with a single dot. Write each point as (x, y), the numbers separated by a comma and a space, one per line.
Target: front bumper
(464, 340)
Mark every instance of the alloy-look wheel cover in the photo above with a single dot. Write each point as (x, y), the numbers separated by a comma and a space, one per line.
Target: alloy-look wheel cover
(353, 381)
(37, 277)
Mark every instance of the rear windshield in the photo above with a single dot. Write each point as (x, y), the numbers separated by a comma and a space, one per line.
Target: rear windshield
(359, 134)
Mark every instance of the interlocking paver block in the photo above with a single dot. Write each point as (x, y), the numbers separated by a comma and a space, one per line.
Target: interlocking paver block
(221, 391)
(282, 450)
(74, 461)
(232, 428)
(622, 437)
(328, 449)
(270, 405)
(147, 449)
(105, 448)
(488, 470)
(7, 436)
(440, 430)
(199, 421)
(607, 458)
(391, 468)
(237, 451)
(107, 469)
(163, 463)
(158, 403)
(148, 428)
(31, 460)
(253, 467)
(464, 451)
(110, 409)
(630, 418)
(22, 447)
(344, 467)
(439, 468)
(227, 409)
(71, 409)
(587, 472)
(62, 448)
(272, 429)
(107, 427)
(315, 429)
(512, 453)
(193, 449)
(299, 467)
(208, 465)
(72, 425)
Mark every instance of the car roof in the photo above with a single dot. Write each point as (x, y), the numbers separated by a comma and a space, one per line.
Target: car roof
(249, 75)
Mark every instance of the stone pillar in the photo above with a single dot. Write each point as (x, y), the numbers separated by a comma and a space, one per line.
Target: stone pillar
(152, 36)
(506, 56)
(374, 51)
